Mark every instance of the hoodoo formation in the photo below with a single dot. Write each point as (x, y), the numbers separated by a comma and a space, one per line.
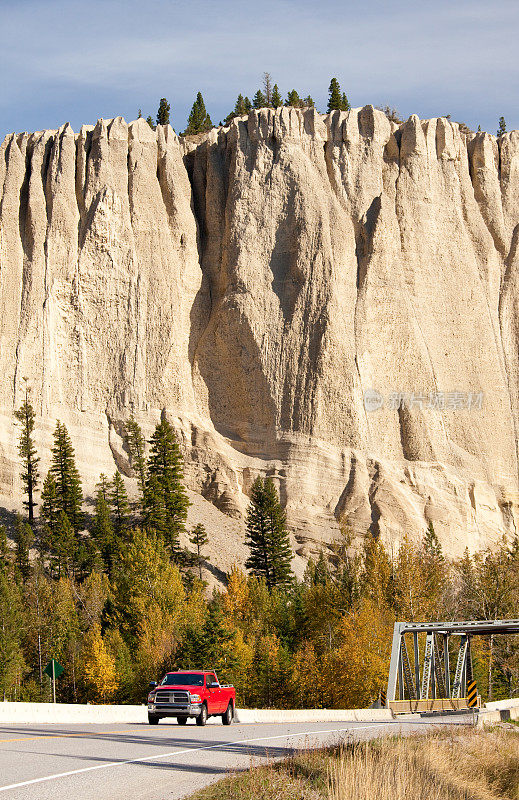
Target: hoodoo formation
(329, 300)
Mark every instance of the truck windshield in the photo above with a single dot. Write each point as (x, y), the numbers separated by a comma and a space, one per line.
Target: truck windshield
(182, 679)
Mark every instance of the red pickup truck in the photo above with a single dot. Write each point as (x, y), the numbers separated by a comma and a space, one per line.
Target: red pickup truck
(193, 693)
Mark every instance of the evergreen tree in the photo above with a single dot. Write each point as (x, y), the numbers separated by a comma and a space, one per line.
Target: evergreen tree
(345, 106)
(199, 120)
(308, 102)
(267, 86)
(267, 536)
(199, 538)
(277, 100)
(166, 499)
(163, 112)
(49, 502)
(23, 538)
(334, 96)
(120, 507)
(241, 108)
(25, 416)
(139, 115)
(258, 100)
(149, 120)
(502, 127)
(103, 530)
(136, 445)
(64, 472)
(293, 99)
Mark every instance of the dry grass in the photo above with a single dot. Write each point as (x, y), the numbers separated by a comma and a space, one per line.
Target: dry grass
(461, 765)
(469, 766)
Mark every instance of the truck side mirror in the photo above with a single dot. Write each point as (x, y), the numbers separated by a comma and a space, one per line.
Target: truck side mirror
(152, 684)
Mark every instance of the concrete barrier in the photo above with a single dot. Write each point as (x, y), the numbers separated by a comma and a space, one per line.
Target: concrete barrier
(493, 716)
(258, 715)
(69, 713)
(499, 705)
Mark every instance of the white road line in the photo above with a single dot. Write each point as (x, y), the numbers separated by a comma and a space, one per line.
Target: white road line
(178, 753)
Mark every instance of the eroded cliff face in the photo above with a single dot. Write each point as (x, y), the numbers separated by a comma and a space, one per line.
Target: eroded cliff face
(254, 287)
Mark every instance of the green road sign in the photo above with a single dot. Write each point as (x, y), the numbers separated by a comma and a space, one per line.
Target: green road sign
(53, 669)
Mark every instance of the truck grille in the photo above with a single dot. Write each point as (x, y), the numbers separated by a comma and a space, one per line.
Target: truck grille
(175, 698)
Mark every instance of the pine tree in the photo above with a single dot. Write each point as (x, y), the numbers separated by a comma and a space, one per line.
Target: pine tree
(136, 445)
(103, 530)
(293, 99)
(120, 507)
(241, 108)
(199, 120)
(166, 498)
(64, 471)
(267, 536)
(308, 102)
(247, 105)
(502, 127)
(258, 100)
(163, 112)
(64, 544)
(267, 86)
(149, 120)
(49, 502)
(139, 115)
(334, 96)
(345, 106)
(25, 416)
(277, 100)
(199, 538)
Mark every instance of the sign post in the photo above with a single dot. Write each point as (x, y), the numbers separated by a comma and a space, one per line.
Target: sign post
(53, 670)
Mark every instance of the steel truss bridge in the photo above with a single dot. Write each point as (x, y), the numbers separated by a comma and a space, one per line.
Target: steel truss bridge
(429, 686)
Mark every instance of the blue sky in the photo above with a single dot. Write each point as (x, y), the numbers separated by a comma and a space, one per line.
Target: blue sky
(69, 61)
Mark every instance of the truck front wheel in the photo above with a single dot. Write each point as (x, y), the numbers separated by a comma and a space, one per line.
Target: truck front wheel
(227, 718)
(153, 719)
(202, 717)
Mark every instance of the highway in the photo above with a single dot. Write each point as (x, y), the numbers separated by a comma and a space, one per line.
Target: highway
(141, 762)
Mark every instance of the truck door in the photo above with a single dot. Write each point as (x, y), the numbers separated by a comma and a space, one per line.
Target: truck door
(215, 694)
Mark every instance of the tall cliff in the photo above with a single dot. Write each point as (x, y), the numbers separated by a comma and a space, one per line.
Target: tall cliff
(260, 287)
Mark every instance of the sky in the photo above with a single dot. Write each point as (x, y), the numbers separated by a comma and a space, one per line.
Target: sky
(70, 61)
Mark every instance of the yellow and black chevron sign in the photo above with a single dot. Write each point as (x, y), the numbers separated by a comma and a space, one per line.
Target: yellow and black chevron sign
(472, 694)
(383, 698)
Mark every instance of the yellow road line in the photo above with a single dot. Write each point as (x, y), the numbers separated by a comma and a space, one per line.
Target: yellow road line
(64, 736)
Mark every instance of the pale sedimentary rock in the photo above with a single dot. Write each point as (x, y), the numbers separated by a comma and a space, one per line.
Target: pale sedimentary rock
(254, 286)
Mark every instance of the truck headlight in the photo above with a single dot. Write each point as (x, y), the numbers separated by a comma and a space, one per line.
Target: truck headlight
(151, 698)
(195, 698)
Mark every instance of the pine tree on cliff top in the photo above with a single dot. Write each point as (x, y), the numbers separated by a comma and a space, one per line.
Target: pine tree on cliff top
(199, 120)
(502, 127)
(277, 100)
(267, 536)
(259, 100)
(334, 96)
(163, 112)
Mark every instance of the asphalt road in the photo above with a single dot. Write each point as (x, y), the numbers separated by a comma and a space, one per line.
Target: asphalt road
(141, 762)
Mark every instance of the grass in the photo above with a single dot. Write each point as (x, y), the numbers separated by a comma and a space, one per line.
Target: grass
(458, 765)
